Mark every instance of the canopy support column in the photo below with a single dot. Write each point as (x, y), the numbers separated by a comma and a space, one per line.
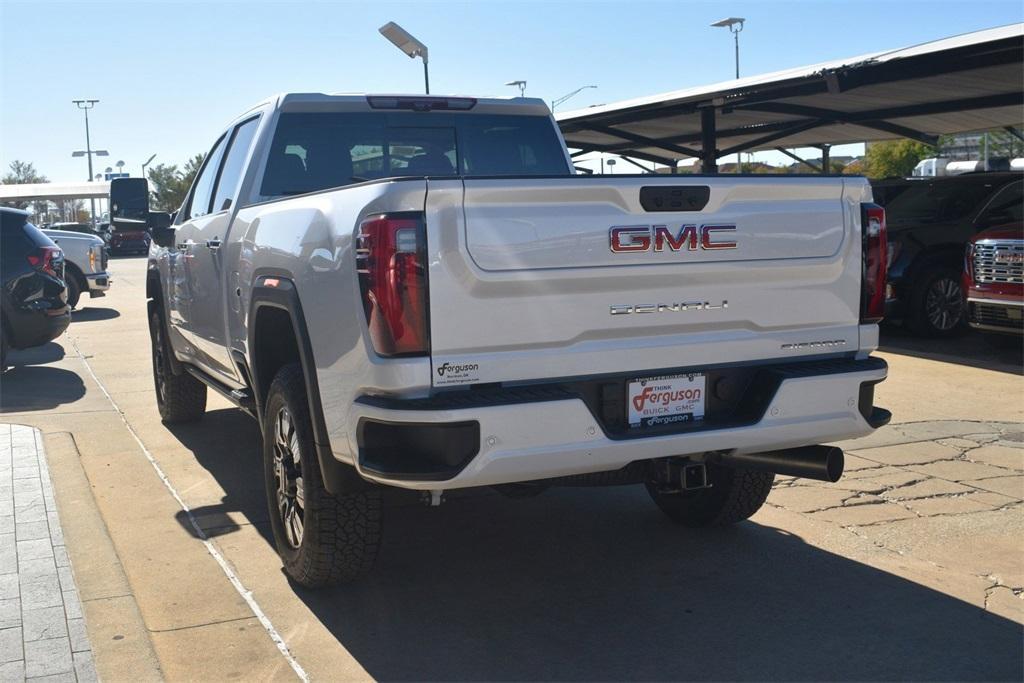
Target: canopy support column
(708, 141)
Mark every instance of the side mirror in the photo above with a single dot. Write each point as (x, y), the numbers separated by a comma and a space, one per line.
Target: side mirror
(160, 228)
(129, 203)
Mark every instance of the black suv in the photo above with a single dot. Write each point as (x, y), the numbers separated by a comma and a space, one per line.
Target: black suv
(930, 221)
(33, 296)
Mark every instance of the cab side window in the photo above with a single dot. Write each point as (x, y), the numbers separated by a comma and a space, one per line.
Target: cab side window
(199, 205)
(231, 175)
(1006, 207)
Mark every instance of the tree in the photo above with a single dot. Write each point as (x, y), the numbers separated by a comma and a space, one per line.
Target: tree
(169, 186)
(895, 158)
(22, 173)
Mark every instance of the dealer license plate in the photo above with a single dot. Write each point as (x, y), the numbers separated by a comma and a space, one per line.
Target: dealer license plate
(657, 401)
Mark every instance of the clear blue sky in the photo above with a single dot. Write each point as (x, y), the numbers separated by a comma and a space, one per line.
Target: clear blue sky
(170, 74)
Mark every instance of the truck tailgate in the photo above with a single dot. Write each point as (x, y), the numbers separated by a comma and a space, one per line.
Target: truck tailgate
(562, 277)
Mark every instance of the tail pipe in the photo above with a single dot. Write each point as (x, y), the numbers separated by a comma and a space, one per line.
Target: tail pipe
(823, 463)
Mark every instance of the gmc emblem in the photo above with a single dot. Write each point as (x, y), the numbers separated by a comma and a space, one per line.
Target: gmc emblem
(626, 238)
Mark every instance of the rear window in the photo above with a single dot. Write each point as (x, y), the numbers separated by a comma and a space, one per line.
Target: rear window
(939, 201)
(317, 151)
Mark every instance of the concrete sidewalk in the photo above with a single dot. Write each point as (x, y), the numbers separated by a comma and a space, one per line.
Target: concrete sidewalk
(42, 631)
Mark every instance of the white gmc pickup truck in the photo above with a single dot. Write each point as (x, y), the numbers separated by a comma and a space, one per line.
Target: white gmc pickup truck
(418, 292)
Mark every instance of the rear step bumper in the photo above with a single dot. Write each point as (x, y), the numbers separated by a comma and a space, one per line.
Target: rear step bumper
(464, 441)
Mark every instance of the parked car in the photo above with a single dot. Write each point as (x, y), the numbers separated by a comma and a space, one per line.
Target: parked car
(33, 297)
(124, 242)
(417, 292)
(994, 280)
(930, 222)
(85, 264)
(84, 228)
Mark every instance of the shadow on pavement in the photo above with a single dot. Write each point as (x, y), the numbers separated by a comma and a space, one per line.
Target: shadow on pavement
(31, 387)
(1005, 354)
(226, 443)
(595, 584)
(50, 352)
(90, 314)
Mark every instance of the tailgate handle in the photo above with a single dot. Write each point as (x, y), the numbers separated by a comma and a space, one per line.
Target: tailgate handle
(675, 197)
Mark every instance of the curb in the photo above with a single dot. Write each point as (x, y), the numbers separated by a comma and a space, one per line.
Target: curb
(121, 646)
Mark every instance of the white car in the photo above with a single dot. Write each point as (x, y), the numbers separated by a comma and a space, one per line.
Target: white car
(85, 259)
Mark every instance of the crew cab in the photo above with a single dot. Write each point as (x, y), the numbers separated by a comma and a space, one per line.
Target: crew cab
(417, 292)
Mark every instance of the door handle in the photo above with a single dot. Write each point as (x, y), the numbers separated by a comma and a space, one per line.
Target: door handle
(213, 244)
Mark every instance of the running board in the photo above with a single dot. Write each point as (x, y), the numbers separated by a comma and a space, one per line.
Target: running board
(240, 397)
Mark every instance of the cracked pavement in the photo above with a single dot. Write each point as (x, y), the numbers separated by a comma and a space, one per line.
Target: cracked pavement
(910, 484)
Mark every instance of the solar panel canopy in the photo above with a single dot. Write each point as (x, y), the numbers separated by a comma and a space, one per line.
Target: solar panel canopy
(964, 83)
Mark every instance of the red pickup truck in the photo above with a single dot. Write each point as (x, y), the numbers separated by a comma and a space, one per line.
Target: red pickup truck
(994, 280)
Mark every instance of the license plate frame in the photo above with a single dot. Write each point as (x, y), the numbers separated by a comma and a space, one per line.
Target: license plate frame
(668, 400)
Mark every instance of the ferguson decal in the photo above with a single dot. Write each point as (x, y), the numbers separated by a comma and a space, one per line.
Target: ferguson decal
(627, 238)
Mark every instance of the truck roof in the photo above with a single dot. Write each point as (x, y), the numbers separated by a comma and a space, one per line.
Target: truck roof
(299, 101)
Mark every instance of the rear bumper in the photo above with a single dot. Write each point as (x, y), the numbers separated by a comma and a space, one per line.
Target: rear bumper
(547, 435)
(36, 327)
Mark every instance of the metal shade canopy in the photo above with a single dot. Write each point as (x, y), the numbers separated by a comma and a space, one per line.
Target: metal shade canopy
(964, 83)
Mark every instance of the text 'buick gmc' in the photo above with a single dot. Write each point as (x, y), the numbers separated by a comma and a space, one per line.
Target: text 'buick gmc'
(418, 292)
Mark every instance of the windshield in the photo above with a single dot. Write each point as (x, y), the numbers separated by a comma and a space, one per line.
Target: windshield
(933, 201)
(318, 151)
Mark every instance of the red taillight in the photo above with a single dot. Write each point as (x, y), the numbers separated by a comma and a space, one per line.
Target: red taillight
(391, 260)
(46, 259)
(873, 277)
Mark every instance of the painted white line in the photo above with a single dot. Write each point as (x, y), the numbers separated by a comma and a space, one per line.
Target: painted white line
(210, 547)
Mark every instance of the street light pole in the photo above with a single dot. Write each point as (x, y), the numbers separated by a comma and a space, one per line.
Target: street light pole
(735, 25)
(405, 42)
(146, 163)
(86, 105)
(563, 98)
(519, 84)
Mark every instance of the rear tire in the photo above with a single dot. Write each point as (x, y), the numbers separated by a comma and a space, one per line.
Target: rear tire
(734, 496)
(74, 289)
(937, 304)
(180, 398)
(322, 539)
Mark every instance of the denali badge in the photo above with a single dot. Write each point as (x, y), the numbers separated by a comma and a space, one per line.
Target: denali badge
(825, 343)
(625, 238)
(626, 309)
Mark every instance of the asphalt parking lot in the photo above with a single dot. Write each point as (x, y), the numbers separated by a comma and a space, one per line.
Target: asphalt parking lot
(911, 567)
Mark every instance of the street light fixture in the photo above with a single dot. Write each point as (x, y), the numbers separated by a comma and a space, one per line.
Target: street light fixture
(404, 41)
(85, 106)
(735, 25)
(519, 84)
(146, 163)
(563, 98)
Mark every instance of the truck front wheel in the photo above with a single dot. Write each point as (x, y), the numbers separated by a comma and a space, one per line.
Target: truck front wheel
(322, 539)
(733, 495)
